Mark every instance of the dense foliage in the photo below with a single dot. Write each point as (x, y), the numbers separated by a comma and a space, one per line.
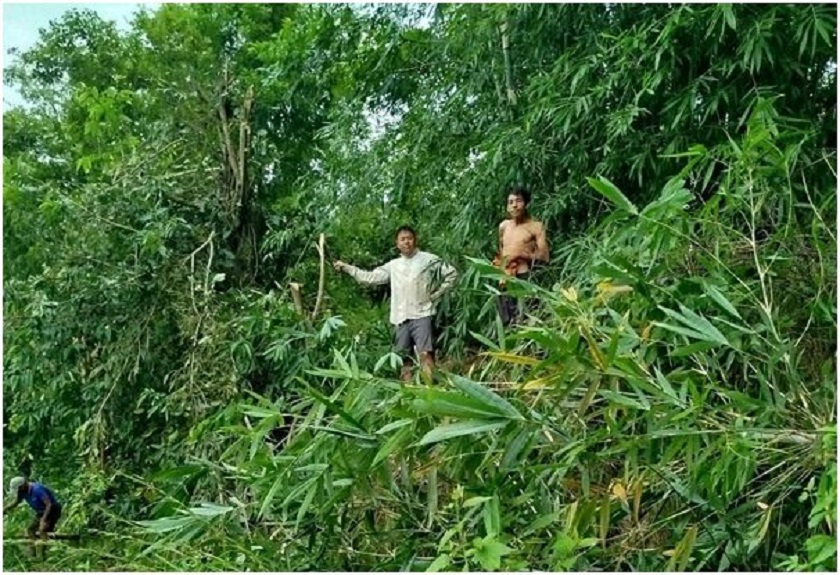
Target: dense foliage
(670, 405)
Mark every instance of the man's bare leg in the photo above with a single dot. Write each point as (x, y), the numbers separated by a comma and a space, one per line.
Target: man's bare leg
(405, 372)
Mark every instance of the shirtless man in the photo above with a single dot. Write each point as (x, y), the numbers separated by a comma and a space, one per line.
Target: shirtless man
(522, 243)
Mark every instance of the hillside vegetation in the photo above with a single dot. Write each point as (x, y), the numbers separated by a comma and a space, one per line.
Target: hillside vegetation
(670, 405)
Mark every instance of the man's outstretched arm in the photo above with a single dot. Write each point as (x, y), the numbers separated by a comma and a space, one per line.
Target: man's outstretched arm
(380, 275)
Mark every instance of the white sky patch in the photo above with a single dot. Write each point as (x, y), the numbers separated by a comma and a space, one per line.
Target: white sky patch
(379, 121)
(22, 22)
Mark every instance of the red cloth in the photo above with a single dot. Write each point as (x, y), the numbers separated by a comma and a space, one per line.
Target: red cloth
(510, 267)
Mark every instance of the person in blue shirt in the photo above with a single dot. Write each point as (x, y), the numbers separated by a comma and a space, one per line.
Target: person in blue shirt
(41, 500)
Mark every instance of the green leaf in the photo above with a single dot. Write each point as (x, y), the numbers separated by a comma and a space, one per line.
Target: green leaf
(666, 386)
(692, 348)
(564, 545)
(334, 374)
(258, 412)
(622, 399)
(697, 326)
(476, 501)
(451, 404)
(448, 431)
(515, 448)
(394, 425)
(492, 516)
(180, 472)
(541, 522)
(484, 341)
(729, 15)
(721, 300)
(269, 498)
(489, 553)
(210, 510)
(165, 524)
(342, 432)
(682, 553)
(307, 503)
(486, 397)
(439, 564)
(700, 323)
(821, 548)
(612, 193)
(336, 409)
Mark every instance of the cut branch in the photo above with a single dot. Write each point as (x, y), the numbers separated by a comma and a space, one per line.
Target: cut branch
(320, 247)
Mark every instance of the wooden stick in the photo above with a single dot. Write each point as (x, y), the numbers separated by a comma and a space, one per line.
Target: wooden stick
(295, 287)
(320, 247)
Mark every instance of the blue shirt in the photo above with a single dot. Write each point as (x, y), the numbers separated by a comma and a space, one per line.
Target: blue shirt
(35, 497)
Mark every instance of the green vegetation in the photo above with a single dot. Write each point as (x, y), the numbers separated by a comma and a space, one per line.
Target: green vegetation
(670, 406)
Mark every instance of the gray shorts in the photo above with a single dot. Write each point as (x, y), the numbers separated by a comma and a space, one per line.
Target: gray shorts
(414, 333)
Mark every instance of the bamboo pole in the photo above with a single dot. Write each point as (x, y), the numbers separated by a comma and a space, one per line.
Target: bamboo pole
(51, 538)
(319, 299)
(511, 93)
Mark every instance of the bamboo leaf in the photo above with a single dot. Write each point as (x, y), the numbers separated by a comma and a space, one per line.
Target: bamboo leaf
(394, 443)
(721, 300)
(336, 409)
(492, 517)
(612, 193)
(486, 397)
(515, 449)
(440, 563)
(307, 503)
(484, 341)
(622, 399)
(394, 425)
(729, 15)
(587, 398)
(269, 498)
(512, 358)
(542, 522)
(682, 552)
(696, 326)
(452, 404)
(449, 431)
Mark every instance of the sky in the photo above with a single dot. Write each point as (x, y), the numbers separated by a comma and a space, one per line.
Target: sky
(22, 20)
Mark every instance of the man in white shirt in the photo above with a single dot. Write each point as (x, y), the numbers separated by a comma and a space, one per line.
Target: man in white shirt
(418, 279)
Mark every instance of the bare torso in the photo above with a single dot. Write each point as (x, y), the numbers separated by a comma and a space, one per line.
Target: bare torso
(524, 242)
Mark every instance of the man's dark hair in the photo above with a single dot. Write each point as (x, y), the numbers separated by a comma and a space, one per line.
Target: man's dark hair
(408, 229)
(521, 192)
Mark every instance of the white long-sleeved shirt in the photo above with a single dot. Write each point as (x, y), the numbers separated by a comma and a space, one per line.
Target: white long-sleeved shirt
(413, 280)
